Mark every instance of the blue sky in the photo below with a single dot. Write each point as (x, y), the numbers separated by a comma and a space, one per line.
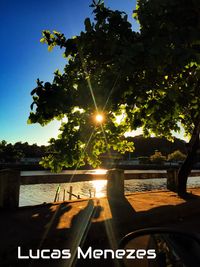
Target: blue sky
(24, 58)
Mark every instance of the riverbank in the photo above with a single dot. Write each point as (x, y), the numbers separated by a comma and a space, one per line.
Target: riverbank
(99, 223)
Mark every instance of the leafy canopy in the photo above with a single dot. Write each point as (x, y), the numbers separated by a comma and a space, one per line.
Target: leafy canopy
(171, 37)
(150, 79)
(91, 76)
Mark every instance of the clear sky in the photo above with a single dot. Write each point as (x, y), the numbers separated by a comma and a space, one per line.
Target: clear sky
(24, 58)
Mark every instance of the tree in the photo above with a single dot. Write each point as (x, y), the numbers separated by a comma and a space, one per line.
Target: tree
(173, 42)
(10, 153)
(146, 146)
(87, 87)
(176, 156)
(3, 144)
(13, 153)
(150, 78)
(157, 158)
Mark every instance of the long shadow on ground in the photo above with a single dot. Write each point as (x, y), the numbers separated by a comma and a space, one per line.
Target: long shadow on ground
(96, 223)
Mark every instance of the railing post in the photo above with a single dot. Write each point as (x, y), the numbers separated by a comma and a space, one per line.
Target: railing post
(115, 183)
(9, 188)
(70, 192)
(172, 183)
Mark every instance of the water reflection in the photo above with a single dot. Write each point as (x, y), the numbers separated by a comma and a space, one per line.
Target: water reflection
(39, 193)
(138, 185)
(99, 187)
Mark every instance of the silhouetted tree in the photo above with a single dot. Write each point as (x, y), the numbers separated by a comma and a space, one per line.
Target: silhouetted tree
(157, 158)
(176, 156)
(150, 78)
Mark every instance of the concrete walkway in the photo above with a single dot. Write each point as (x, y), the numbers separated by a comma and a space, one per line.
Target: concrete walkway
(99, 223)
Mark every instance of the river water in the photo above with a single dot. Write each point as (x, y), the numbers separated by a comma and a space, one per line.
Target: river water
(40, 193)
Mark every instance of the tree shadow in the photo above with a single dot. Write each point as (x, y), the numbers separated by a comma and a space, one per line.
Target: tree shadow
(96, 223)
(125, 219)
(188, 196)
(122, 214)
(44, 226)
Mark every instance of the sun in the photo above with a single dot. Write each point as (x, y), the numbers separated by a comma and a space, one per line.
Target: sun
(99, 118)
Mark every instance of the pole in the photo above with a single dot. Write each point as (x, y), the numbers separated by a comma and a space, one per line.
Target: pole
(9, 188)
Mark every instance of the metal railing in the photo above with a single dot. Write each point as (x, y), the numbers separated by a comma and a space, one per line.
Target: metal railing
(10, 181)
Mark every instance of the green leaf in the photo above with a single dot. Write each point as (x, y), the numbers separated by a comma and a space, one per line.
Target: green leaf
(50, 47)
(42, 40)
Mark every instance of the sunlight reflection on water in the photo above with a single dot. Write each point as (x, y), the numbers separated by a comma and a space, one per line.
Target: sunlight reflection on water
(39, 193)
(99, 187)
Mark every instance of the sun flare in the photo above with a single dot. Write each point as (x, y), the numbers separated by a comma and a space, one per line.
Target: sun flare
(99, 118)
(99, 187)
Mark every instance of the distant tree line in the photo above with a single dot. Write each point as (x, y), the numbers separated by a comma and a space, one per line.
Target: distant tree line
(152, 149)
(147, 146)
(12, 153)
(158, 158)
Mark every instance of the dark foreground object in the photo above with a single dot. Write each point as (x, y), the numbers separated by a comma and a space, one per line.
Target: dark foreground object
(96, 223)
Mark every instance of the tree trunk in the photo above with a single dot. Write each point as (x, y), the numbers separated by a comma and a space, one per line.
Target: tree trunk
(186, 167)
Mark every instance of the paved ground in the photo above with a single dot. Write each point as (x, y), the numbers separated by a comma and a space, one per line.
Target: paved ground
(99, 223)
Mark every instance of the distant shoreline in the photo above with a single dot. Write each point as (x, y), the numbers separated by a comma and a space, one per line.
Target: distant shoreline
(37, 167)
